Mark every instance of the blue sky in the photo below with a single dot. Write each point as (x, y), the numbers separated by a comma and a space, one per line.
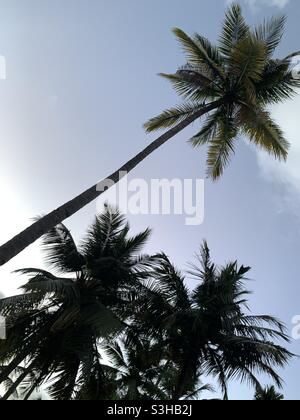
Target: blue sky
(81, 80)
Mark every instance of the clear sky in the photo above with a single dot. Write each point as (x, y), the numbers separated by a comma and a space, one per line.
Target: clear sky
(81, 80)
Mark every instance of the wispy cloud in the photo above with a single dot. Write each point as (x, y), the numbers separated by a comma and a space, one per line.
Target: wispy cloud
(256, 4)
(286, 175)
(270, 3)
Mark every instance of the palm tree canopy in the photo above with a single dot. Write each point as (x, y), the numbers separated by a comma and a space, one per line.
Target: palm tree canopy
(242, 73)
(111, 323)
(268, 394)
(56, 324)
(210, 329)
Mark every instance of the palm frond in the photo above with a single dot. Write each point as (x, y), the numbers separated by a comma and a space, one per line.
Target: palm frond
(200, 52)
(21, 303)
(248, 60)
(271, 32)
(208, 131)
(130, 247)
(65, 382)
(268, 394)
(267, 319)
(173, 116)
(193, 83)
(116, 356)
(277, 84)
(171, 283)
(221, 148)
(106, 228)
(195, 394)
(264, 132)
(58, 287)
(234, 30)
(61, 252)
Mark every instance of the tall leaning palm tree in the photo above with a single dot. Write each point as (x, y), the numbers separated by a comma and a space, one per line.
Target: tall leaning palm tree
(231, 84)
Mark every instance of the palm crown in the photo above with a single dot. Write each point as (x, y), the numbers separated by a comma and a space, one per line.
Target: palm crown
(209, 330)
(241, 76)
(268, 394)
(54, 328)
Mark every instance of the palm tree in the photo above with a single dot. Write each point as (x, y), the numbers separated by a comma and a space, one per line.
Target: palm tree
(268, 394)
(231, 84)
(54, 328)
(114, 324)
(210, 329)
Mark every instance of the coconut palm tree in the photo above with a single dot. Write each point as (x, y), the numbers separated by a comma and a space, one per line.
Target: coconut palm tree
(268, 394)
(53, 329)
(210, 329)
(111, 323)
(230, 84)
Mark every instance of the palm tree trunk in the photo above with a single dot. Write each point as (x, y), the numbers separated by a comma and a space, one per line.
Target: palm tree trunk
(46, 223)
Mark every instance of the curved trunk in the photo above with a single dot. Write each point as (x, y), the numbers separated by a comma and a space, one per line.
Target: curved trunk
(46, 223)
